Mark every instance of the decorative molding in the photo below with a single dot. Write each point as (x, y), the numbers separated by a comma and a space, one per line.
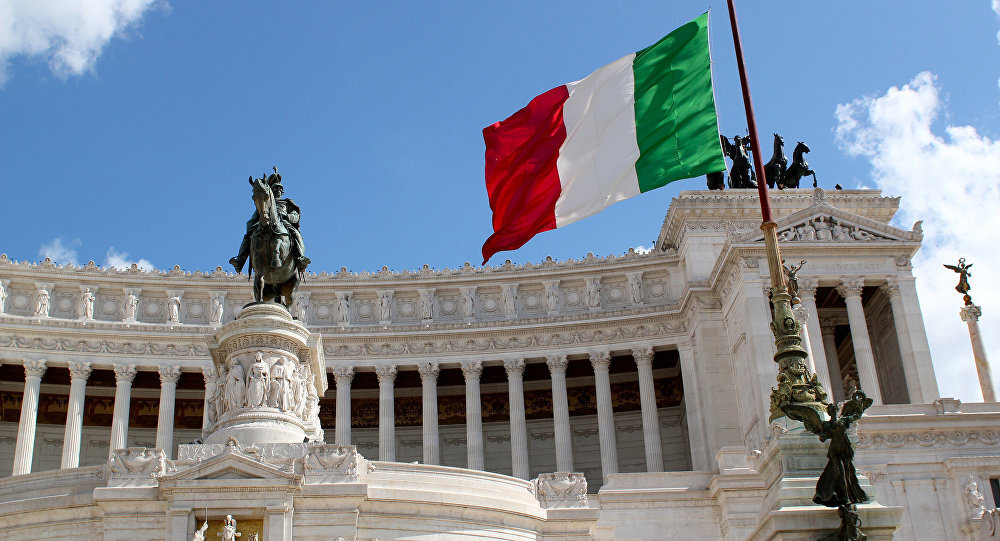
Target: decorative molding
(955, 438)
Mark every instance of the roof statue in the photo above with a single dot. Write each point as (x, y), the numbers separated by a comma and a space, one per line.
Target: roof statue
(740, 174)
(272, 242)
(779, 173)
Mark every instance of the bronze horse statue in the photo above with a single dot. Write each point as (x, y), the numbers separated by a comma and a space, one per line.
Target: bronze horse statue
(272, 264)
(774, 170)
(799, 167)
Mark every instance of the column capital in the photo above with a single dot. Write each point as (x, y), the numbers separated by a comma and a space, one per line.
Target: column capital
(343, 374)
(428, 371)
(79, 370)
(169, 374)
(600, 359)
(643, 355)
(807, 288)
(557, 363)
(34, 368)
(386, 374)
(683, 345)
(850, 287)
(970, 312)
(124, 373)
(514, 366)
(209, 373)
(890, 288)
(472, 369)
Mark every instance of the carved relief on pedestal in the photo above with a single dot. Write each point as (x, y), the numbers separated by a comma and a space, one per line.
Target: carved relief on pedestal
(137, 466)
(331, 464)
(264, 387)
(560, 490)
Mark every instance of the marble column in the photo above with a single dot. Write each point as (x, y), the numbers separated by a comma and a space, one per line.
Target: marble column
(78, 374)
(833, 361)
(970, 315)
(560, 413)
(850, 289)
(24, 449)
(343, 375)
(165, 422)
(694, 412)
(601, 361)
(518, 426)
(811, 333)
(386, 413)
(475, 456)
(428, 378)
(891, 290)
(650, 418)
(917, 337)
(124, 374)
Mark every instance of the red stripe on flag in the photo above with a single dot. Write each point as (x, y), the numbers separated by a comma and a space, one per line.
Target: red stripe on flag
(521, 176)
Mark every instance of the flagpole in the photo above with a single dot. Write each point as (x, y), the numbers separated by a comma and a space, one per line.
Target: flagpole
(793, 372)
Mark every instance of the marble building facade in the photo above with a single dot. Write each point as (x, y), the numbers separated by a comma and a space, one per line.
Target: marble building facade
(447, 400)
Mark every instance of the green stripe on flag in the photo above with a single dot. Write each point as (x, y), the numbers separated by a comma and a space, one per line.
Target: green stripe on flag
(676, 124)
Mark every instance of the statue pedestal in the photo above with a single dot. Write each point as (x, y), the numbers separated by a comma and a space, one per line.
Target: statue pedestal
(790, 465)
(268, 377)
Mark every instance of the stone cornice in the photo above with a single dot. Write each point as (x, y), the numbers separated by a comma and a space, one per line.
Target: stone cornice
(744, 205)
(384, 278)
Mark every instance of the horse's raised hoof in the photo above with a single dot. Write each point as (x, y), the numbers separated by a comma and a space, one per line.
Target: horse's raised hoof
(236, 264)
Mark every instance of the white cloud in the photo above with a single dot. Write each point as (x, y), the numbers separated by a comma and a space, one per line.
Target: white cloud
(60, 251)
(69, 35)
(644, 250)
(995, 4)
(951, 181)
(120, 260)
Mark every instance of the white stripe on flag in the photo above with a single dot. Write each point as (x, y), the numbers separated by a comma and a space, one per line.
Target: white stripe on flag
(596, 163)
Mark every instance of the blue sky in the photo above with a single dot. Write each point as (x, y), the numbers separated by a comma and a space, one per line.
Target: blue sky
(131, 137)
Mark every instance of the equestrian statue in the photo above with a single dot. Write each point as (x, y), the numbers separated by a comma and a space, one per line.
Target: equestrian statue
(272, 243)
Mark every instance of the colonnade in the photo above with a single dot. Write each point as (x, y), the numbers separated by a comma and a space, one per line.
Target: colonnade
(911, 336)
(125, 374)
(514, 367)
(79, 372)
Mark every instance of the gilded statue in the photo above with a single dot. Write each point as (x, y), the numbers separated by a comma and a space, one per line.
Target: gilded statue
(963, 286)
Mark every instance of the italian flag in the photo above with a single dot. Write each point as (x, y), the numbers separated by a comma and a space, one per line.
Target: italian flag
(638, 123)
